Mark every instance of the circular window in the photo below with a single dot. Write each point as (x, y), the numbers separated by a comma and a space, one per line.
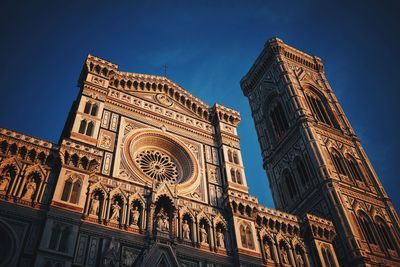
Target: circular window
(156, 156)
(157, 165)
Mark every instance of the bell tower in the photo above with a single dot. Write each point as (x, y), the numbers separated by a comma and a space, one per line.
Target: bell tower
(314, 161)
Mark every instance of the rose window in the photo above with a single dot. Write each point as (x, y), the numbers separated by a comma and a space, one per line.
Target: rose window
(157, 165)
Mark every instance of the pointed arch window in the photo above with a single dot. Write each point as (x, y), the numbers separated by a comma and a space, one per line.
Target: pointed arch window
(320, 109)
(72, 190)
(354, 168)
(278, 119)
(233, 175)
(366, 228)
(86, 128)
(235, 158)
(90, 108)
(338, 162)
(230, 158)
(59, 238)
(238, 177)
(246, 236)
(384, 233)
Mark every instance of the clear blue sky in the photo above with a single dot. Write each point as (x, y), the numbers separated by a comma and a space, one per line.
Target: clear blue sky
(208, 46)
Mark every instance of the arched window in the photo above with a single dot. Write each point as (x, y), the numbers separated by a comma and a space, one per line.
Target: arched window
(67, 190)
(88, 107)
(338, 162)
(278, 119)
(302, 171)
(91, 108)
(72, 190)
(328, 258)
(238, 177)
(290, 184)
(94, 110)
(82, 127)
(366, 227)
(230, 156)
(384, 233)
(233, 175)
(76, 190)
(89, 130)
(354, 169)
(235, 158)
(320, 109)
(246, 236)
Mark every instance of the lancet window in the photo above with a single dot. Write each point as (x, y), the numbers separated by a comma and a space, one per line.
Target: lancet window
(384, 233)
(59, 238)
(72, 190)
(367, 228)
(278, 119)
(320, 109)
(86, 128)
(91, 108)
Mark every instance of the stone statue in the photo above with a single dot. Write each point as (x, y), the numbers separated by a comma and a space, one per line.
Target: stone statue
(203, 234)
(267, 250)
(186, 230)
(128, 258)
(135, 216)
(162, 221)
(94, 209)
(220, 239)
(116, 208)
(284, 256)
(5, 181)
(30, 189)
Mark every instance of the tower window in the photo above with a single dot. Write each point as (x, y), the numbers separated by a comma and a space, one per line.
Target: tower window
(238, 177)
(91, 108)
(86, 128)
(354, 169)
(384, 233)
(320, 109)
(72, 190)
(366, 228)
(279, 121)
(338, 162)
(230, 158)
(302, 172)
(235, 158)
(59, 238)
(233, 175)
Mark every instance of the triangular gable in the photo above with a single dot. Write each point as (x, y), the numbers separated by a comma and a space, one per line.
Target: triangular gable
(160, 255)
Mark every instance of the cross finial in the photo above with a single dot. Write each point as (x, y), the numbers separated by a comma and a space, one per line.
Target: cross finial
(165, 70)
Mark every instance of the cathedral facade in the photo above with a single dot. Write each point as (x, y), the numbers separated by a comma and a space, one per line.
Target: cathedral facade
(146, 174)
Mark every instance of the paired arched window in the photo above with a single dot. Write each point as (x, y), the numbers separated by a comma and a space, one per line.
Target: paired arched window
(233, 157)
(338, 162)
(59, 238)
(246, 236)
(367, 228)
(236, 176)
(384, 233)
(320, 109)
(86, 128)
(72, 190)
(354, 169)
(290, 184)
(278, 119)
(328, 257)
(230, 156)
(91, 108)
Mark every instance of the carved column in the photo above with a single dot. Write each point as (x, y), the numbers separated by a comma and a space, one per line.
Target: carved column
(174, 223)
(87, 202)
(127, 213)
(275, 251)
(197, 233)
(107, 207)
(261, 241)
(291, 256)
(150, 219)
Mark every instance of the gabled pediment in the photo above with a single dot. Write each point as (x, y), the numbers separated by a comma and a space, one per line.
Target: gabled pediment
(162, 91)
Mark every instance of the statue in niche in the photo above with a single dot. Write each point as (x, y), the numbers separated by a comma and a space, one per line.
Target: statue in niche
(220, 239)
(135, 216)
(94, 209)
(162, 221)
(267, 250)
(30, 189)
(284, 256)
(5, 181)
(186, 230)
(299, 259)
(116, 209)
(203, 234)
